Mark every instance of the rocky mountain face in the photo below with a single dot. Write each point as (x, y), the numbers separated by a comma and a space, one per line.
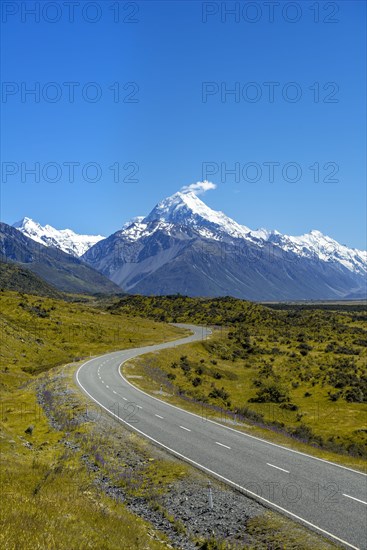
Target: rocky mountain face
(64, 271)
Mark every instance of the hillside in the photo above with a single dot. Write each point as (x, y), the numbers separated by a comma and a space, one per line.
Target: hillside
(63, 271)
(47, 489)
(39, 333)
(15, 277)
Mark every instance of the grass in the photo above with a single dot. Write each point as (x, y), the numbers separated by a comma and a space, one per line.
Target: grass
(38, 333)
(49, 501)
(275, 532)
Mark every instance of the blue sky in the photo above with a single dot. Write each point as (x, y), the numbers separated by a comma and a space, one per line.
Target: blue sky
(172, 124)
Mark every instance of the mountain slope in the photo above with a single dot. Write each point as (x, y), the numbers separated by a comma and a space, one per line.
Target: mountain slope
(184, 246)
(65, 272)
(16, 278)
(63, 239)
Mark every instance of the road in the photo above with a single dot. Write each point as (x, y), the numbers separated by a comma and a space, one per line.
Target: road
(326, 497)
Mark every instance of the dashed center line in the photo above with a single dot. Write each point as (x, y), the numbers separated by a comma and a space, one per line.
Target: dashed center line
(139, 407)
(183, 428)
(278, 468)
(222, 445)
(159, 416)
(113, 391)
(354, 498)
(107, 386)
(124, 398)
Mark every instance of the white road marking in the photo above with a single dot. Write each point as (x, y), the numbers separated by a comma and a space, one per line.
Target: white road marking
(107, 386)
(159, 416)
(216, 474)
(113, 391)
(354, 498)
(124, 398)
(183, 428)
(102, 381)
(139, 407)
(278, 468)
(222, 445)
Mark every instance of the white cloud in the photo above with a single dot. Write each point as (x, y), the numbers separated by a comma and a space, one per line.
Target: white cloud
(199, 187)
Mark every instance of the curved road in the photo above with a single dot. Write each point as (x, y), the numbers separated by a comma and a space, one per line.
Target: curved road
(328, 498)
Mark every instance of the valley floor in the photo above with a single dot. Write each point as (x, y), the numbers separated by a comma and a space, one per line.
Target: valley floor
(71, 477)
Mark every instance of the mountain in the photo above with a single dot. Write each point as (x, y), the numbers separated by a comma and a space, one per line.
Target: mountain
(65, 272)
(14, 277)
(185, 247)
(63, 239)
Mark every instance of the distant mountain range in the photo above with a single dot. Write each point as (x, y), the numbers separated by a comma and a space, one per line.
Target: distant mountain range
(185, 247)
(63, 271)
(64, 239)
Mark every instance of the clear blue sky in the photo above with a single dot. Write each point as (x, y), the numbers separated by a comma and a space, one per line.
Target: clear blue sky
(169, 132)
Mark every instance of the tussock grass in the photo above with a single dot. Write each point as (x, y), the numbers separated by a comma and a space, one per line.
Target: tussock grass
(38, 333)
(48, 499)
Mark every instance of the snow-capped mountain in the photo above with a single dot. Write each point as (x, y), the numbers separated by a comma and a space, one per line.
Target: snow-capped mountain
(322, 247)
(64, 239)
(184, 246)
(61, 270)
(136, 219)
(188, 210)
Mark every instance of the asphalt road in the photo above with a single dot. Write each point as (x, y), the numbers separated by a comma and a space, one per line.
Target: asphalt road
(328, 498)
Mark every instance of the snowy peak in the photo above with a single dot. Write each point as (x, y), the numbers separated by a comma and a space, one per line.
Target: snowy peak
(179, 207)
(136, 219)
(64, 239)
(188, 210)
(319, 246)
(29, 227)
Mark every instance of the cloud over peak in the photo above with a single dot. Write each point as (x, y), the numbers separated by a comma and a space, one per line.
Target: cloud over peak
(199, 187)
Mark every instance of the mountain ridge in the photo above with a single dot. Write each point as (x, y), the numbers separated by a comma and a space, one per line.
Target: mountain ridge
(63, 271)
(187, 208)
(65, 239)
(184, 246)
